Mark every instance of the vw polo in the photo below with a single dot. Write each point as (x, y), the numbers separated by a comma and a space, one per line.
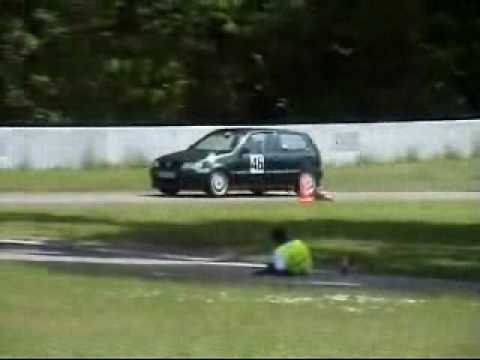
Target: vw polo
(240, 158)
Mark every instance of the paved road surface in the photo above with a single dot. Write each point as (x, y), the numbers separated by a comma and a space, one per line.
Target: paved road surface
(71, 256)
(155, 197)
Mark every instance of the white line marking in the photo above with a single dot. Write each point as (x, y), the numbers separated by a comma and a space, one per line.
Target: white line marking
(332, 283)
(122, 261)
(22, 242)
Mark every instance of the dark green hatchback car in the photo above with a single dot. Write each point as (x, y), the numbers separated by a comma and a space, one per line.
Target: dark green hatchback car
(252, 159)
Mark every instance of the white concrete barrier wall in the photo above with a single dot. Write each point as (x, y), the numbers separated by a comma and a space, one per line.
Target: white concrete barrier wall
(338, 143)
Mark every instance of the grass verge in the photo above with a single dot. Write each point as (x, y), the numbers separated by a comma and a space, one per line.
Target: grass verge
(423, 238)
(98, 179)
(428, 175)
(431, 175)
(50, 313)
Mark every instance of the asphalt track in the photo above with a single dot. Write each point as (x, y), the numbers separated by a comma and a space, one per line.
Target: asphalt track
(64, 255)
(67, 256)
(190, 197)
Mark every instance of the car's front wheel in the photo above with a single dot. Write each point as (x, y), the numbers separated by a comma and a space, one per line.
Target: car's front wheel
(218, 184)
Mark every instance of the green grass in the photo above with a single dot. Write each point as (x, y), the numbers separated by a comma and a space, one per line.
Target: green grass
(423, 238)
(52, 312)
(431, 175)
(98, 179)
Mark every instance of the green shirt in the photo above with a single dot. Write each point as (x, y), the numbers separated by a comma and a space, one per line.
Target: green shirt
(296, 256)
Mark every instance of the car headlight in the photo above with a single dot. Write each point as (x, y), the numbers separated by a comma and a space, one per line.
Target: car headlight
(196, 165)
(188, 165)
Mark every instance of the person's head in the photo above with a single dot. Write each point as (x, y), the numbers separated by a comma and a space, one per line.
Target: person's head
(279, 236)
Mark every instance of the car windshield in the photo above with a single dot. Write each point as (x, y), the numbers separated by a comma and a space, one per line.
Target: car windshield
(218, 141)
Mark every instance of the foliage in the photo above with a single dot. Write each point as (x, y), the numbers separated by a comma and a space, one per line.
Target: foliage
(147, 62)
(412, 155)
(451, 153)
(365, 160)
(91, 161)
(475, 152)
(136, 159)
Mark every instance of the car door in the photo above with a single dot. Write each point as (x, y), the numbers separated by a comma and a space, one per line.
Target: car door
(293, 155)
(276, 176)
(250, 164)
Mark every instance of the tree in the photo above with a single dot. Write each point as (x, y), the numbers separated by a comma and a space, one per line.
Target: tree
(87, 62)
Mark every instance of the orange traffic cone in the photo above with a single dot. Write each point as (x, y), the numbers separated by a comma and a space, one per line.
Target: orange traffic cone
(307, 191)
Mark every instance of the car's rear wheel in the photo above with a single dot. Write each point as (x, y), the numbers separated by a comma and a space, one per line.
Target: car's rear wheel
(218, 184)
(307, 181)
(170, 191)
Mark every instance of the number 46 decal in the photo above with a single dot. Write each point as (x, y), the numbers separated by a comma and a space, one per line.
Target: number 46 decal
(257, 164)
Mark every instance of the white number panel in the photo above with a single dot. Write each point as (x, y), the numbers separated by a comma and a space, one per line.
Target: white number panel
(257, 164)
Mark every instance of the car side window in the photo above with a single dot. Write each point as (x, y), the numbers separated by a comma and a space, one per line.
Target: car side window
(292, 142)
(256, 143)
(271, 143)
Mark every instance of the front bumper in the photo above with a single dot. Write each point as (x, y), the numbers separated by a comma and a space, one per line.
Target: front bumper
(180, 178)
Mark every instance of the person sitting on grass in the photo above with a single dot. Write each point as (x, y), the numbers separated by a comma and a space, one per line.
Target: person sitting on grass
(291, 257)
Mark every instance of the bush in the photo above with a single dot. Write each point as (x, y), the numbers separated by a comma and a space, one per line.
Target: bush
(475, 150)
(412, 155)
(136, 160)
(365, 160)
(90, 161)
(451, 153)
(25, 164)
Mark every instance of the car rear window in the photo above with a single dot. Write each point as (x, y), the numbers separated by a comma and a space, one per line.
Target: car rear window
(292, 142)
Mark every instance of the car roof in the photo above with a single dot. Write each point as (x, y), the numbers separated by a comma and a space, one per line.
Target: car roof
(251, 129)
